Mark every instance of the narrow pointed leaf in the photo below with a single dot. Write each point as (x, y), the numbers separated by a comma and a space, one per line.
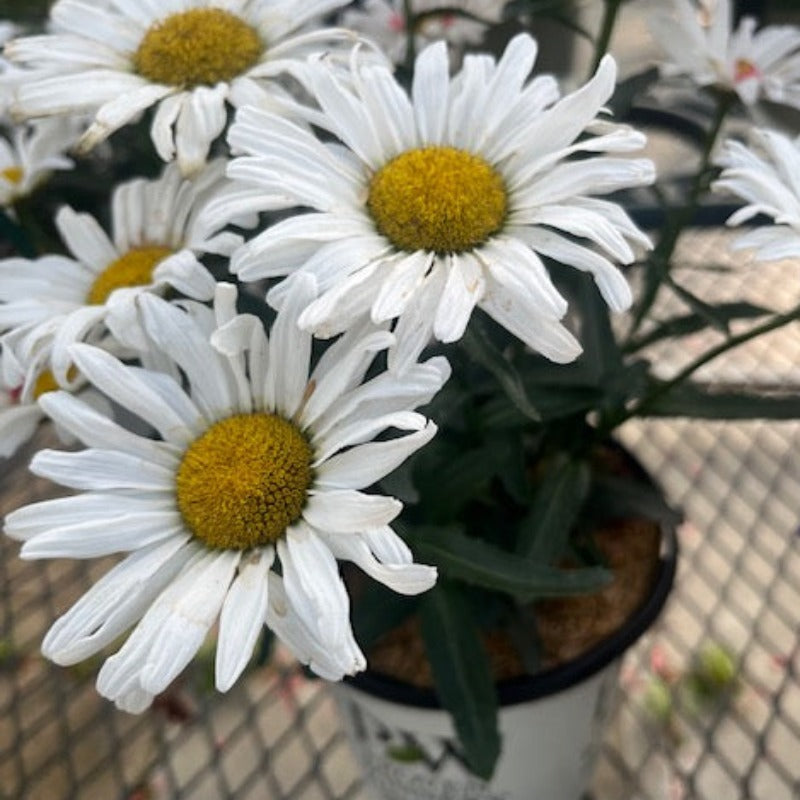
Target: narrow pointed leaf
(477, 562)
(480, 347)
(554, 509)
(461, 672)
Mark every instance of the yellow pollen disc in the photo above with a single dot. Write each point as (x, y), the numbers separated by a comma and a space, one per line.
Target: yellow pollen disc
(46, 382)
(244, 481)
(135, 268)
(437, 198)
(12, 174)
(744, 69)
(199, 47)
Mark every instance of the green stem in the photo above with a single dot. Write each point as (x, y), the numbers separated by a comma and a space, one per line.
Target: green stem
(658, 263)
(17, 235)
(606, 31)
(640, 406)
(411, 22)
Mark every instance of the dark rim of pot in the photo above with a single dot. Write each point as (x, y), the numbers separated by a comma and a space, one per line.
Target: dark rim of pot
(558, 678)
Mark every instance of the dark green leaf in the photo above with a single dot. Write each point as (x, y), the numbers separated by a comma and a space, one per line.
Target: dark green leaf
(555, 507)
(480, 347)
(614, 497)
(601, 352)
(462, 675)
(377, 611)
(630, 89)
(722, 315)
(477, 562)
(552, 402)
(692, 401)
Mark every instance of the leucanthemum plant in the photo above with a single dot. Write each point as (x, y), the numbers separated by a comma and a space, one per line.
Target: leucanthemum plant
(189, 60)
(259, 460)
(443, 201)
(156, 237)
(254, 343)
(31, 154)
(766, 175)
(700, 42)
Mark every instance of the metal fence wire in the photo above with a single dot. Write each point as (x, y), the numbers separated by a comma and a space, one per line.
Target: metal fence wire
(709, 701)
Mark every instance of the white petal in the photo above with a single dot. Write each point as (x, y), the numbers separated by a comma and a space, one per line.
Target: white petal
(408, 579)
(314, 587)
(463, 290)
(125, 386)
(290, 350)
(242, 618)
(429, 93)
(86, 240)
(363, 465)
(114, 534)
(113, 603)
(329, 663)
(97, 430)
(349, 511)
(201, 119)
(182, 616)
(101, 470)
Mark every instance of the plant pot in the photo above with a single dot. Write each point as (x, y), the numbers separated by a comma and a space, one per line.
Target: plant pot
(551, 723)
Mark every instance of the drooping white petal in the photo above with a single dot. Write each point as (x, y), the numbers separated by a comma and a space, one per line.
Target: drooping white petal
(242, 618)
(114, 603)
(408, 579)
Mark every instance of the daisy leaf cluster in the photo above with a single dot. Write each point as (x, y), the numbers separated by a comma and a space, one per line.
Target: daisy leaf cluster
(338, 306)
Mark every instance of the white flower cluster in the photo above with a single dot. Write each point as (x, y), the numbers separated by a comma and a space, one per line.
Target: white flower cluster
(381, 217)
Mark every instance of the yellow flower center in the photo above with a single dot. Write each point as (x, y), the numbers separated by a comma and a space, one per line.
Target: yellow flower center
(199, 47)
(46, 382)
(135, 268)
(13, 174)
(744, 69)
(437, 198)
(244, 481)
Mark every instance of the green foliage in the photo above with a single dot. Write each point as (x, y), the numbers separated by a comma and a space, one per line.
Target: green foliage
(461, 670)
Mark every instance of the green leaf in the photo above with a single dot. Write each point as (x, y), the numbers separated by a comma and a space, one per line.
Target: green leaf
(554, 509)
(630, 89)
(480, 347)
(477, 562)
(614, 497)
(691, 400)
(717, 316)
(462, 675)
(552, 402)
(601, 352)
(377, 611)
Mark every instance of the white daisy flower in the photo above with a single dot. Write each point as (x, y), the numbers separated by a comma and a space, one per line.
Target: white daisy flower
(186, 57)
(31, 153)
(25, 375)
(257, 461)
(20, 389)
(700, 42)
(155, 241)
(767, 178)
(441, 201)
(384, 21)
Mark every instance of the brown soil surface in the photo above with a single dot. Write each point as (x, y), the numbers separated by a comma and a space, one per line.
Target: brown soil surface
(566, 626)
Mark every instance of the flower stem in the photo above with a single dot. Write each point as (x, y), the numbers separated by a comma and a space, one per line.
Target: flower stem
(658, 263)
(640, 406)
(411, 24)
(606, 31)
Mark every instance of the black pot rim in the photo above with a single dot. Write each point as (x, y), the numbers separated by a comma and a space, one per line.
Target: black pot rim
(558, 678)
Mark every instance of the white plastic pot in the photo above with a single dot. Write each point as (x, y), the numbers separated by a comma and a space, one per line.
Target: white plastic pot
(551, 723)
